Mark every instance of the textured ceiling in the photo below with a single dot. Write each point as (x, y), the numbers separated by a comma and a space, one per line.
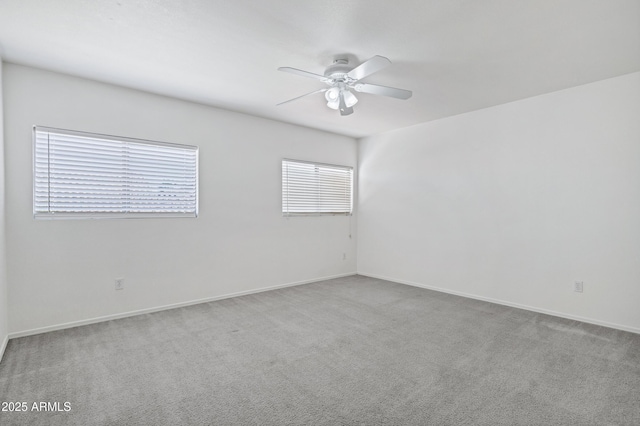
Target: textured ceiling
(456, 56)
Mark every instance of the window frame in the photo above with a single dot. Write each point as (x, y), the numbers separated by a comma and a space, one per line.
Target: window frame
(350, 170)
(52, 215)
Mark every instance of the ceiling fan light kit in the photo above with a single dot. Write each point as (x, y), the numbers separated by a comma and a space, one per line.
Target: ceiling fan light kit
(343, 78)
(333, 97)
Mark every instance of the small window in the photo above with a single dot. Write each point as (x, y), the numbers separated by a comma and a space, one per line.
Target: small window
(85, 175)
(316, 189)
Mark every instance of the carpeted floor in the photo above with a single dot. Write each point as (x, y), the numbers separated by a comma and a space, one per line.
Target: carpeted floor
(349, 351)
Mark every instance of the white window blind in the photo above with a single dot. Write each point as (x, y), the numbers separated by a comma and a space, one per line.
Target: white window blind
(314, 188)
(79, 175)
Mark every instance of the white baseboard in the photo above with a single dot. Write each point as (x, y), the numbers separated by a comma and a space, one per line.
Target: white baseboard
(4, 346)
(507, 303)
(162, 308)
(260, 290)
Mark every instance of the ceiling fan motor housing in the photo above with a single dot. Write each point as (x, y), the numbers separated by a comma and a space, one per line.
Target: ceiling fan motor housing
(338, 70)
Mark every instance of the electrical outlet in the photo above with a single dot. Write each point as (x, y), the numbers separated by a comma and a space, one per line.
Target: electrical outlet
(578, 286)
(119, 283)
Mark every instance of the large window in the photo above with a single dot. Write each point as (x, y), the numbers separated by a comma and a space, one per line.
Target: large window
(316, 189)
(84, 175)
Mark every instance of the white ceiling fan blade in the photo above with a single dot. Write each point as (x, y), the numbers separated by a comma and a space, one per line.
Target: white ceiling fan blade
(303, 73)
(369, 67)
(342, 106)
(306, 94)
(383, 90)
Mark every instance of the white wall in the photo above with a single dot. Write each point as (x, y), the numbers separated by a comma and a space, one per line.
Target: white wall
(514, 203)
(4, 304)
(63, 271)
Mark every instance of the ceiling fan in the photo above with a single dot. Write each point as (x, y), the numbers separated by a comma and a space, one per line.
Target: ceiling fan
(341, 77)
